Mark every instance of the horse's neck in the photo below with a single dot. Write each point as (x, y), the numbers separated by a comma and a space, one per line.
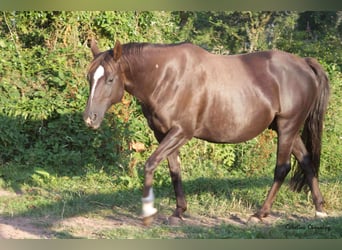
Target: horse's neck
(135, 75)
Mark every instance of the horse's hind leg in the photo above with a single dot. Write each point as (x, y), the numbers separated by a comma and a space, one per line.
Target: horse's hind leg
(286, 136)
(301, 154)
(175, 172)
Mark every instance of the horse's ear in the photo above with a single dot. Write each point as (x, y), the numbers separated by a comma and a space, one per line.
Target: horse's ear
(93, 46)
(117, 51)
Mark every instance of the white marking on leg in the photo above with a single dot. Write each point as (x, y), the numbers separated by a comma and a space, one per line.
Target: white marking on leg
(99, 72)
(147, 205)
(321, 214)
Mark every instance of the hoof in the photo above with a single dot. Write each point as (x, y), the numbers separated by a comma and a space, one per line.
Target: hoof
(148, 220)
(175, 220)
(254, 219)
(321, 215)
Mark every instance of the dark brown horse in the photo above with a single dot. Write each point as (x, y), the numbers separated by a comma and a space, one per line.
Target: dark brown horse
(187, 92)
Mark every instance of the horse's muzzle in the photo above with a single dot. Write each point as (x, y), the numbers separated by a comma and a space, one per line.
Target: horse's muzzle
(91, 121)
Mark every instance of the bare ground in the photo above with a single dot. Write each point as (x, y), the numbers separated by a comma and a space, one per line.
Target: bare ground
(18, 227)
(89, 227)
(85, 226)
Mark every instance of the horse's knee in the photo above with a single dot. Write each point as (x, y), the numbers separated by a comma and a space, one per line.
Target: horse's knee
(150, 166)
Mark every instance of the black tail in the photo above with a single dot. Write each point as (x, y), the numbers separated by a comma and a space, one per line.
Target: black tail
(313, 127)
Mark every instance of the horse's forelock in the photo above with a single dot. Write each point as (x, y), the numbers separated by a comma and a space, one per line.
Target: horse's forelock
(105, 59)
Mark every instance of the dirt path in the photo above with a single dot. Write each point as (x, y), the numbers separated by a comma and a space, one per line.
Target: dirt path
(90, 227)
(19, 227)
(86, 227)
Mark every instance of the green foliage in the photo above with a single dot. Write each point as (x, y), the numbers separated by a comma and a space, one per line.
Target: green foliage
(235, 32)
(43, 85)
(43, 89)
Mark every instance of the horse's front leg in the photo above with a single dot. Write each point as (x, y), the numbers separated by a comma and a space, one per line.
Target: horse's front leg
(174, 139)
(175, 173)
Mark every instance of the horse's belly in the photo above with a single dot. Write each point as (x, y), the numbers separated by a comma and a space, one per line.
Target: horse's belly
(234, 130)
(227, 136)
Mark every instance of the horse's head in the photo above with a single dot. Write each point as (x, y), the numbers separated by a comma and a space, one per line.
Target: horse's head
(106, 85)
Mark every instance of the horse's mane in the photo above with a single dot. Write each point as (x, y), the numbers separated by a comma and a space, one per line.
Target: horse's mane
(131, 50)
(136, 48)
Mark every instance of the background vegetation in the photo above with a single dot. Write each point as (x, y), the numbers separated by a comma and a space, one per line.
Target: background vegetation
(48, 155)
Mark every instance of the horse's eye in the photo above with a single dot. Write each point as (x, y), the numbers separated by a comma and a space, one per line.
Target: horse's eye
(110, 80)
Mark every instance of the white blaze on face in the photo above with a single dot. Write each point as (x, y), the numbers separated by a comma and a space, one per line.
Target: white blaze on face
(99, 72)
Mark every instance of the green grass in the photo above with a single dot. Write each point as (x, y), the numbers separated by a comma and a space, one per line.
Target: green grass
(209, 195)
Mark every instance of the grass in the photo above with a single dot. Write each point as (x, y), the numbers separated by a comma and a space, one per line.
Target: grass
(209, 195)
(283, 230)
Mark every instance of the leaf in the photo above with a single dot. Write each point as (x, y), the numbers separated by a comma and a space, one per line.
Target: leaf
(42, 172)
(137, 146)
(2, 43)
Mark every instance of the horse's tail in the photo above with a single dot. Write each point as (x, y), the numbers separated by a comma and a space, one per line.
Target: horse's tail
(313, 127)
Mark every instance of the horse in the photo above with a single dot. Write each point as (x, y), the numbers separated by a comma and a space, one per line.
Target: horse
(187, 92)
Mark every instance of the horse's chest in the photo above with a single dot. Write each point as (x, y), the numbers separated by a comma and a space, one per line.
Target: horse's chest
(159, 123)
(156, 121)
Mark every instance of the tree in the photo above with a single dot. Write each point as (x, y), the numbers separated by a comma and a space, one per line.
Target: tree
(236, 32)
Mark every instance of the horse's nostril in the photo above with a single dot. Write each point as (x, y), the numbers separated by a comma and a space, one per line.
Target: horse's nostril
(92, 116)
